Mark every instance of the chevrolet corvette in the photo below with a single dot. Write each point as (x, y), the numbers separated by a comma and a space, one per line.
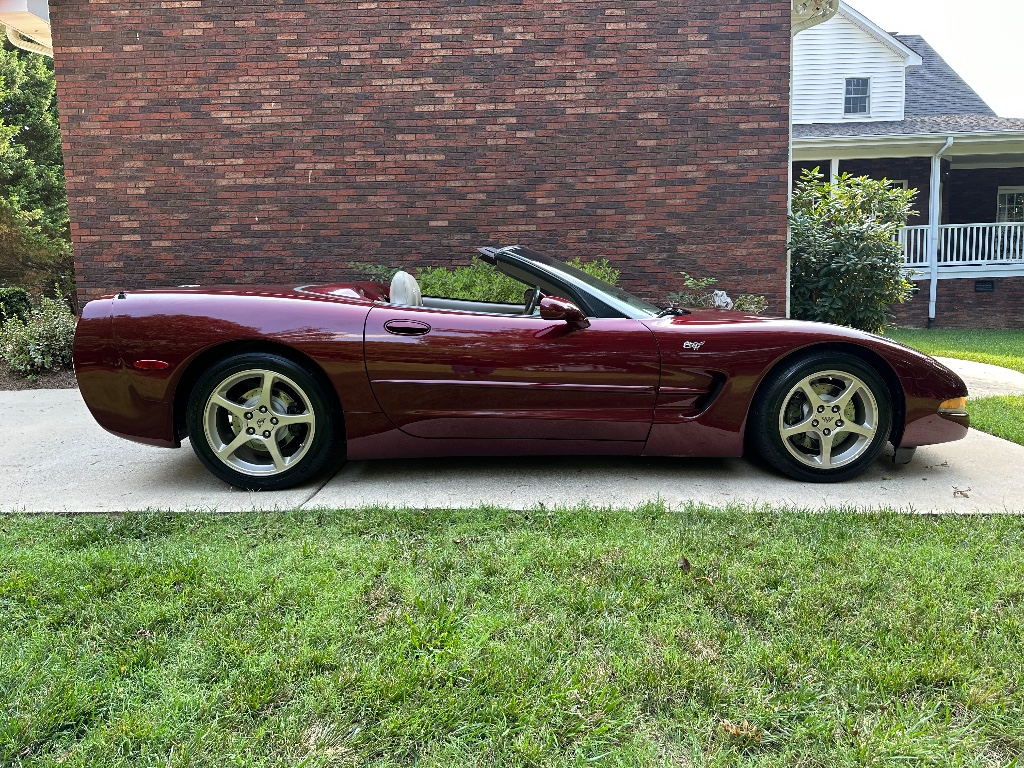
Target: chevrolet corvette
(269, 383)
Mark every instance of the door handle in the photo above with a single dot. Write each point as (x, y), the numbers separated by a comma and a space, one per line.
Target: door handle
(406, 327)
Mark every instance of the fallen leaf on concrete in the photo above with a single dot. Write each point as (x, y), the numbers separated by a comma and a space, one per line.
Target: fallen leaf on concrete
(963, 493)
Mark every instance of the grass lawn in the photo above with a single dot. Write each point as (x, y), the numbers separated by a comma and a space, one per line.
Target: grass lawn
(493, 638)
(999, 416)
(1005, 348)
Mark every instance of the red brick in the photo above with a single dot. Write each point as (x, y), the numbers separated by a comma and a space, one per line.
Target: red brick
(240, 142)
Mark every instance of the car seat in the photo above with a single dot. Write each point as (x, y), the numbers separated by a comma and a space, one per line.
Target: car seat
(405, 291)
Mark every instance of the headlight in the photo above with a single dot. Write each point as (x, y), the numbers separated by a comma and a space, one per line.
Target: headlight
(957, 405)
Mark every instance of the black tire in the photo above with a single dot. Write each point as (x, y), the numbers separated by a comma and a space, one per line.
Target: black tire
(806, 438)
(275, 402)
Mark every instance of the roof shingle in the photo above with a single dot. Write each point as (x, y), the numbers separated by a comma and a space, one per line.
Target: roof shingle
(935, 88)
(938, 124)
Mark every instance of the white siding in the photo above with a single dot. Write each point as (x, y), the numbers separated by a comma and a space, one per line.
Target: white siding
(825, 55)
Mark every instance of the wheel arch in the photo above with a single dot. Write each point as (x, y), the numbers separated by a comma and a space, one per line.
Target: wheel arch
(869, 356)
(201, 362)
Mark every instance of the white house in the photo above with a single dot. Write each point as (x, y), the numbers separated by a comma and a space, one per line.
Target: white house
(870, 102)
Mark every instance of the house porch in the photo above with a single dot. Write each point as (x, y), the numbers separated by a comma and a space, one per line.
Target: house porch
(968, 265)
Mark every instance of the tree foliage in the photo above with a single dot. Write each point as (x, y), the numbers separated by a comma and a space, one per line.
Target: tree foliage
(35, 245)
(848, 268)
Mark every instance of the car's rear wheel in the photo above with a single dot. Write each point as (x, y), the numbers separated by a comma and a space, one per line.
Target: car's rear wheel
(261, 422)
(822, 418)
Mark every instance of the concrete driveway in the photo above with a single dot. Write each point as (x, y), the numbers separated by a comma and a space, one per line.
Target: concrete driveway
(56, 459)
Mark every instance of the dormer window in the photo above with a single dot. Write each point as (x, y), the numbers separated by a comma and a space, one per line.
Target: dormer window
(858, 96)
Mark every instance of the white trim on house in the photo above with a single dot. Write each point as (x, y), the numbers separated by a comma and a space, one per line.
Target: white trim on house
(28, 25)
(970, 164)
(913, 57)
(910, 145)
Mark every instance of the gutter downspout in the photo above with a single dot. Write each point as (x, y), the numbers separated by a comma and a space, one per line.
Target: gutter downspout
(934, 219)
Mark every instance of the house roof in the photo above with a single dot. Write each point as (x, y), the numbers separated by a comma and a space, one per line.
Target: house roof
(935, 88)
(938, 102)
(912, 126)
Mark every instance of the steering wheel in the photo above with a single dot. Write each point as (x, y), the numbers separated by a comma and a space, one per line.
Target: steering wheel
(531, 298)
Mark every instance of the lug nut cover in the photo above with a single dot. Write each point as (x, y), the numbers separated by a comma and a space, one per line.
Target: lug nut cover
(263, 409)
(267, 433)
(250, 431)
(821, 409)
(275, 422)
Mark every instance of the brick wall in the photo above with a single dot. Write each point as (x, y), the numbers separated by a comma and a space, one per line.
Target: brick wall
(974, 193)
(958, 305)
(221, 141)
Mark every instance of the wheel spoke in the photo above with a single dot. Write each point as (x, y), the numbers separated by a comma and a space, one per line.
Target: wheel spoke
(799, 429)
(813, 397)
(858, 429)
(851, 390)
(267, 390)
(222, 402)
(288, 419)
(826, 451)
(275, 453)
(228, 450)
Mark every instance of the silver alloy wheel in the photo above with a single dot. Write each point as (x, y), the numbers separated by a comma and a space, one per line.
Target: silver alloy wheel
(259, 422)
(829, 419)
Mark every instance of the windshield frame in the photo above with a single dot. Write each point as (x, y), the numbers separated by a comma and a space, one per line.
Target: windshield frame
(597, 297)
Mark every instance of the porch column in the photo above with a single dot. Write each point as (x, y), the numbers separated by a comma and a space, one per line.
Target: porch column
(934, 220)
(833, 171)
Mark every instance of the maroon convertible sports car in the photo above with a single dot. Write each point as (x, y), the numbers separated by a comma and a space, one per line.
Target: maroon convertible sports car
(268, 381)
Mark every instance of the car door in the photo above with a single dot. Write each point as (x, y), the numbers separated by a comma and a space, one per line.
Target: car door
(452, 374)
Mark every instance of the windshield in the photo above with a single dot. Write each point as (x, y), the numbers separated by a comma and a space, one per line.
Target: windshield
(626, 303)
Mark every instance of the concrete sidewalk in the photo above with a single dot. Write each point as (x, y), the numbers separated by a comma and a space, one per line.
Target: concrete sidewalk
(56, 459)
(985, 380)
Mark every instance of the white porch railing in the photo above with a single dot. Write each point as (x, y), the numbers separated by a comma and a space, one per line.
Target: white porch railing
(972, 249)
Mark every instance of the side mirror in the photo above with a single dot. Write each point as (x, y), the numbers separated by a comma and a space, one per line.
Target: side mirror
(555, 309)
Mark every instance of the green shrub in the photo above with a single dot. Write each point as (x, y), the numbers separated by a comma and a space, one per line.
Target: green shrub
(698, 292)
(378, 273)
(14, 302)
(602, 270)
(478, 281)
(848, 268)
(40, 342)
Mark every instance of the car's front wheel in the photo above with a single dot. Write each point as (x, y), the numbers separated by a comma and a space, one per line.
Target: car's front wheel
(260, 422)
(822, 418)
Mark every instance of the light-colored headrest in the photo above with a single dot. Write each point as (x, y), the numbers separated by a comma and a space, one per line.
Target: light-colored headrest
(405, 291)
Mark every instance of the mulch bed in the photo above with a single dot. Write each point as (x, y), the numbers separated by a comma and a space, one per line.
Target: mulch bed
(49, 380)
